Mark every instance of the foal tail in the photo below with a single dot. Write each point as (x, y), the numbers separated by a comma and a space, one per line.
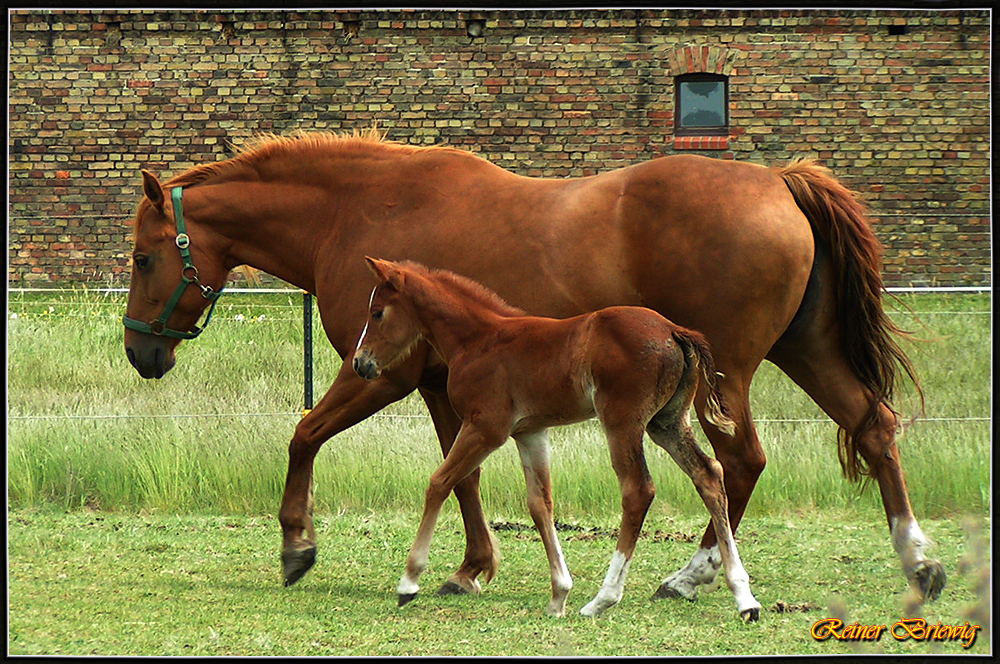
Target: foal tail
(839, 220)
(698, 354)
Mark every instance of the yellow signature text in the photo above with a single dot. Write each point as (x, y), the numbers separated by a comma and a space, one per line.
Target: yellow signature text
(907, 629)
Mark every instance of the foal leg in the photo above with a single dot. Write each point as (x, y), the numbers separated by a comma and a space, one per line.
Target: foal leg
(637, 489)
(534, 451)
(743, 460)
(482, 555)
(471, 448)
(673, 433)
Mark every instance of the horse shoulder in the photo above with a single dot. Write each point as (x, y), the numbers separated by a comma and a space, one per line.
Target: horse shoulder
(478, 383)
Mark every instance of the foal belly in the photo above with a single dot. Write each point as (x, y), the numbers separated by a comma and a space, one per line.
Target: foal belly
(553, 412)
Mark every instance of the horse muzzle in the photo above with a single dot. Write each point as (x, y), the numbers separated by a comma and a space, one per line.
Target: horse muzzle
(366, 366)
(151, 356)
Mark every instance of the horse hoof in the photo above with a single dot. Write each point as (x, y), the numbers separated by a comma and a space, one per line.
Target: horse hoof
(452, 588)
(668, 591)
(750, 615)
(406, 598)
(930, 578)
(296, 563)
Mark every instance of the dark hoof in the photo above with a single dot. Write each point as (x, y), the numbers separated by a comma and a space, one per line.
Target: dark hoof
(406, 598)
(751, 615)
(665, 592)
(930, 579)
(452, 588)
(296, 563)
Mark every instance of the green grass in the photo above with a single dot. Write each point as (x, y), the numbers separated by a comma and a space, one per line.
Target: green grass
(211, 437)
(140, 512)
(96, 583)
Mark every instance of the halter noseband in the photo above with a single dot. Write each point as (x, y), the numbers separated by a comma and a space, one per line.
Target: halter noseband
(189, 275)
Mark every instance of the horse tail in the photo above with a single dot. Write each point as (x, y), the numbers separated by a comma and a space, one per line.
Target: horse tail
(698, 355)
(840, 221)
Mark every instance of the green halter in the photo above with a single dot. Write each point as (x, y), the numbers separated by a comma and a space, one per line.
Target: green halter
(189, 275)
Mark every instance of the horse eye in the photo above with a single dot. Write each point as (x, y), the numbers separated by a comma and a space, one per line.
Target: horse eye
(140, 261)
(378, 315)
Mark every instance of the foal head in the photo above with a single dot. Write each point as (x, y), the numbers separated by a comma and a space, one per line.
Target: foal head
(392, 329)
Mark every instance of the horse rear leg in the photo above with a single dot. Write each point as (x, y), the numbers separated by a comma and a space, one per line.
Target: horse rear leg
(637, 489)
(672, 432)
(814, 361)
(348, 401)
(481, 551)
(534, 451)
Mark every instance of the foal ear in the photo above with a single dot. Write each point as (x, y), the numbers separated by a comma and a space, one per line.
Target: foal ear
(387, 272)
(152, 189)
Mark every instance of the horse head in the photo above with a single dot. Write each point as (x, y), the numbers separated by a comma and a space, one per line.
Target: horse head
(163, 308)
(392, 329)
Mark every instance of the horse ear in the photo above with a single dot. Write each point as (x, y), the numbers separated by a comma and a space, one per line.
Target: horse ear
(386, 272)
(152, 189)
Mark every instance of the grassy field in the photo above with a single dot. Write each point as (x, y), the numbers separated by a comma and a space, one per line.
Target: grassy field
(211, 437)
(140, 512)
(98, 583)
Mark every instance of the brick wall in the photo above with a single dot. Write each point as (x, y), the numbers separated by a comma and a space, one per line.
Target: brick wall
(895, 102)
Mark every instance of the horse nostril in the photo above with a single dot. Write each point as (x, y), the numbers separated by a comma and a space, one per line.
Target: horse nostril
(131, 356)
(365, 367)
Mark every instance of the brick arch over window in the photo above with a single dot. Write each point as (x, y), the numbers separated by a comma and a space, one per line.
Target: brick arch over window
(702, 59)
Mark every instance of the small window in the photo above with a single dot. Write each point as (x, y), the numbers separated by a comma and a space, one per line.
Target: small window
(701, 105)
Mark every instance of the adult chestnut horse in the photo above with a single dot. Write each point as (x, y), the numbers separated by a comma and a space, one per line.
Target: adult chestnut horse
(775, 263)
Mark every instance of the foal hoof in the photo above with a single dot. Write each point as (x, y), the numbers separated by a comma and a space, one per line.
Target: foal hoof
(406, 598)
(296, 563)
(930, 578)
(750, 615)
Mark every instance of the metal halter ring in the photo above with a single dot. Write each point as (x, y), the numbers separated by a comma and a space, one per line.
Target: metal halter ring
(183, 242)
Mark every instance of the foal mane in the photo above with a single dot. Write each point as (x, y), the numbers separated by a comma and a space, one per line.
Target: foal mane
(465, 288)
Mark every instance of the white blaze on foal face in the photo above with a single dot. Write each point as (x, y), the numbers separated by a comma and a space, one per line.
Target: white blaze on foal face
(390, 333)
(364, 332)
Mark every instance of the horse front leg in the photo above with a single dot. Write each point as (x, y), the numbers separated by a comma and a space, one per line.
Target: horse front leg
(348, 401)
(482, 555)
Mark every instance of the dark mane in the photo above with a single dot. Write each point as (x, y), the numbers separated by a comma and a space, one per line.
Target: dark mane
(467, 289)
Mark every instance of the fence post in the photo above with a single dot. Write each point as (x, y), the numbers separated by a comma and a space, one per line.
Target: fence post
(307, 354)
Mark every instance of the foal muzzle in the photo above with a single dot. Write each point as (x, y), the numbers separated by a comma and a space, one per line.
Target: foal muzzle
(366, 366)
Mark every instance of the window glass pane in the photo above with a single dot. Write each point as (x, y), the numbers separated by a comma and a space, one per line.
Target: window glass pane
(702, 103)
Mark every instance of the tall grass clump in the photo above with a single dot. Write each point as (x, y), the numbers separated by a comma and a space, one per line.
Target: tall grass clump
(211, 436)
